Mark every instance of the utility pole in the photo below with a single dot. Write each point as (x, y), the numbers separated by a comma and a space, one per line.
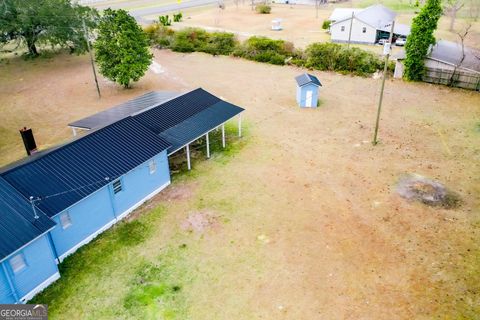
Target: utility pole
(350, 31)
(375, 141)
(91, 58)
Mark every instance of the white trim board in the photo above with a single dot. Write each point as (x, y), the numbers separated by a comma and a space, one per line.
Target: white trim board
(40, 287)
(112, 222)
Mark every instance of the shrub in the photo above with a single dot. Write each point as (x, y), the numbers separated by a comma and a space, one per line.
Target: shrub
(335, 57)
(177, 17)
(159, 35)
(265, 50)
(221, 43)
(326, 24)
(165, 20)
(263, 9)
(190, 40)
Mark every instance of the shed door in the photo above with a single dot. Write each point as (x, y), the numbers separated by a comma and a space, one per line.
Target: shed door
(309, 99)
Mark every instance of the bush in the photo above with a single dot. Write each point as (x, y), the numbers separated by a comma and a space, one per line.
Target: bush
(177, 17)
(159, 35)
(266, 50)
(221, 43)
(263, 9)
(335, 57)
(326, 24)
(191, 40)
(165, 20)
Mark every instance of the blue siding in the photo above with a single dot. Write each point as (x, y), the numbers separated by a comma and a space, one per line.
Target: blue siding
(103, 207)
(87, 216)
(6, 294)
(40, 266)
(139, 183)
(302, 94)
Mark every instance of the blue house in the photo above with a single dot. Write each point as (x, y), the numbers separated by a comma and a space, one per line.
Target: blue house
(27, 260)
(307, 90)
(57, 200)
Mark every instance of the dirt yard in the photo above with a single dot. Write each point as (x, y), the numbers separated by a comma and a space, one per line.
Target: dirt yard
(308, 224)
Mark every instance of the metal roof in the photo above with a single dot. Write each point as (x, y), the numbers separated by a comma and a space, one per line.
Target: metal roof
(173, 112)
(401, 29)
(343, 13)
(199, 124)
(377, 16)
(307, 78)
(67, 174)
(124, 110)
(451, 53)
(17, 223)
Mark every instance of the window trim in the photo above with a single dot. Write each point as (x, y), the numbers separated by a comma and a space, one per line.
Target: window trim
(152, 166)
(67, 214)
(342, 28)
(120, 185)
(364, 29)
(23, 260)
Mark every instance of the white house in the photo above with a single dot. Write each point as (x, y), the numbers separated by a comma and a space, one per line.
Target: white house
(368, 25)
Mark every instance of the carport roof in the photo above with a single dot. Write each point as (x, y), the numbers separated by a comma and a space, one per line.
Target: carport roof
(114, 114)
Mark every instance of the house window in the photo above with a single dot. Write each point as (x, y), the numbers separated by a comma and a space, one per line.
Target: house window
(65, 220)
(342, 28)
(117, 186)
(152, 166)
(364, 29)
(18, 263)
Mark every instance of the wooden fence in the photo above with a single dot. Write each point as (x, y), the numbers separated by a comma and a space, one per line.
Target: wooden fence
(461, 78)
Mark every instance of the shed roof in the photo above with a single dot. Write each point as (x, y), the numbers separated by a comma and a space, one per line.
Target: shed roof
(124, 110)
(69, 173)
(451, 53)
(307, 78)
(17, 223)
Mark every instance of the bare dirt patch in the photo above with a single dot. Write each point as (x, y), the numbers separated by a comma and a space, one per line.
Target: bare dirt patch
(200, 222)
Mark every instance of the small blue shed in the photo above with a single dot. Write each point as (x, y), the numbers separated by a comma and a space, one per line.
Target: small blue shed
(307, 90)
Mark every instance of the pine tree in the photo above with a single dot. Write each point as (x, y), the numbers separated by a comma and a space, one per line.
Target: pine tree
(421, 38)
(121, 49)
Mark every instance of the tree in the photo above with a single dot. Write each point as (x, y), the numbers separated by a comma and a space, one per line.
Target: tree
(53, 22)
(421, 38)
(121, 49)
(462, 35)
(452, 7)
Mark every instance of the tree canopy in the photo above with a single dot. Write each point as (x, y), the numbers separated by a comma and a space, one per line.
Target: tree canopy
(420, 39)
(53, 22)
(122, 48)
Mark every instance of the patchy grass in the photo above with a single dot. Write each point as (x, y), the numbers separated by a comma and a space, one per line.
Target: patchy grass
(156, 287)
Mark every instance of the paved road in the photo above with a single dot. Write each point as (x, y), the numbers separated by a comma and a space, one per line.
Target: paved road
(142, 8)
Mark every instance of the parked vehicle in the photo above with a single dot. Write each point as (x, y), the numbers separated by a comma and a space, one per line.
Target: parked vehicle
(401, 42)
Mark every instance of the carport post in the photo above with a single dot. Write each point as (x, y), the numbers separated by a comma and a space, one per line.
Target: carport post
(189, 166)
(208, 146)
(223, 135)
(240, 125)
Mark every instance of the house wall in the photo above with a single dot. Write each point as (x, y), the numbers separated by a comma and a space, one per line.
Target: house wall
(302, 94)
(358, 36)
(40, 271)
(139, 183)
(97, 212)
